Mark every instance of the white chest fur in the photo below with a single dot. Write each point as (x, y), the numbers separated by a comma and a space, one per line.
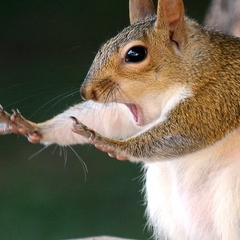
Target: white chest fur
(197, 196)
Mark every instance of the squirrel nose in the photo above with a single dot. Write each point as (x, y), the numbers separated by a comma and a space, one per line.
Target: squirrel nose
(87, 94)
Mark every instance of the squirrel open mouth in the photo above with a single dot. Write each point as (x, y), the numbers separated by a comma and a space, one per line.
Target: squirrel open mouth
(137, 113)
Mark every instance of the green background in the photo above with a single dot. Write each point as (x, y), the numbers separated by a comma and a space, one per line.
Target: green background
(46, 48)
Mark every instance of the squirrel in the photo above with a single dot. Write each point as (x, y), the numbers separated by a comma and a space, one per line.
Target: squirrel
(164, 92)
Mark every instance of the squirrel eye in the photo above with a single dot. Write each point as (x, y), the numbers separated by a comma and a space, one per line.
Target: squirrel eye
(136, 54)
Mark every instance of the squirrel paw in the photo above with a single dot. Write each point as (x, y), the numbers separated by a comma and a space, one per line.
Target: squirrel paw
(17, 124)
(96, 139)
(83, 130)
(4, 122)
(110, 151)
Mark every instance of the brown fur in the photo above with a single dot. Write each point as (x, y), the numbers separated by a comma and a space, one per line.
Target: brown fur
(208, 62)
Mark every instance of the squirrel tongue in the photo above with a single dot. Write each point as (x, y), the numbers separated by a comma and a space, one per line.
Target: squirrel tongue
(137, 114)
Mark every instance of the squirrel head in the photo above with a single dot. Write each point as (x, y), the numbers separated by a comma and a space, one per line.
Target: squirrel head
(140, 67)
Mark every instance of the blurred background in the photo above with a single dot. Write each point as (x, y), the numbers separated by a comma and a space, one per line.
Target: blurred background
(46, 48)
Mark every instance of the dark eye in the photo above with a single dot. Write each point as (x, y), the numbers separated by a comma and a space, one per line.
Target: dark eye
(136, 54)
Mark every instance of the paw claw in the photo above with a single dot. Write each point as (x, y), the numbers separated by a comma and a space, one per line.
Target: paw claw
(74, 120)
(83, 130)
(17, 124)
(16, 114)
(4, 116)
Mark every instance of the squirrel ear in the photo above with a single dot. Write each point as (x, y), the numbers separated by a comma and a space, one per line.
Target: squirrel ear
(140, 9)
(170, 15)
